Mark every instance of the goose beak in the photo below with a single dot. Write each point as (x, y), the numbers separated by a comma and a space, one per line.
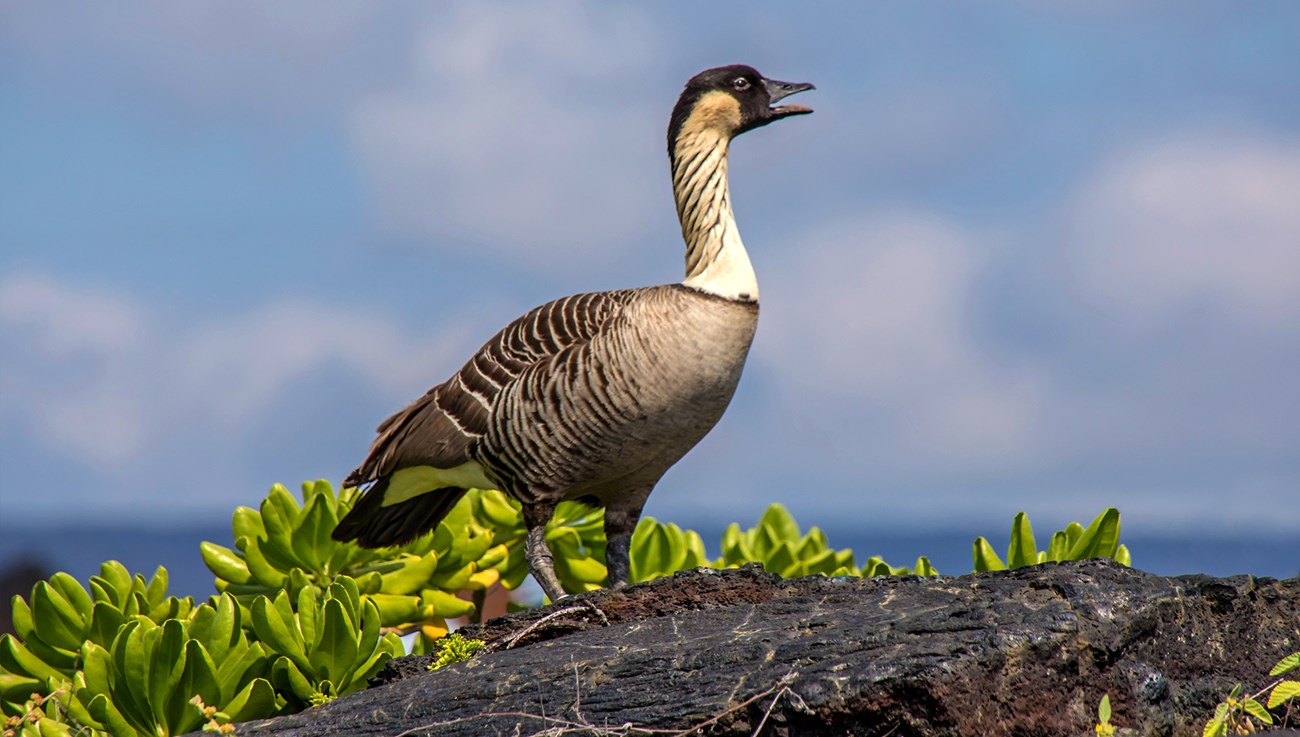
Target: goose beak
(777, 90)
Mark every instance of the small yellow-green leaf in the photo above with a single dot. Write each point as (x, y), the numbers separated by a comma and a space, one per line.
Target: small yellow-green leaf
(271, 627)
(255, 701)
(224, 563)
(16, 658)
(107, 714)
(72, 591)
(986, 559)
(247, 523)
(1257, 710)
(1285, 664)
(777, 519)
(1123, 557)
(57, 622)
(445, 604)
(1100, 539)
(1023, 550)
(337, 650)
(412, 576)
(1283, 692)
(260, 568)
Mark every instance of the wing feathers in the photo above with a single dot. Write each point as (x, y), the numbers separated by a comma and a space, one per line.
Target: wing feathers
(439, 428)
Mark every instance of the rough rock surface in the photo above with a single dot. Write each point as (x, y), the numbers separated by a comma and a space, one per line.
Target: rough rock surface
(1022, 652)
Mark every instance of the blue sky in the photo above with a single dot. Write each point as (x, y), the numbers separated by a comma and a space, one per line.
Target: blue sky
(1038, 256)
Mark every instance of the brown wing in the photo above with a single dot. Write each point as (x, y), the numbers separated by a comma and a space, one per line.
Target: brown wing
(439, 428)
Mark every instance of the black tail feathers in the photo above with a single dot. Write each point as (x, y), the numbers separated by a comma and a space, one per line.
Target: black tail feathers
(372, 525)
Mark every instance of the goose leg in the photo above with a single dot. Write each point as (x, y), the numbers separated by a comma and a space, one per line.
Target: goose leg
(621, 518)
(539, 557)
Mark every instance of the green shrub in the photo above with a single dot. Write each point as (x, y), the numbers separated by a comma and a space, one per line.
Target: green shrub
(1099, 540)
(300, 619)
(1238, 713)
(285, 546)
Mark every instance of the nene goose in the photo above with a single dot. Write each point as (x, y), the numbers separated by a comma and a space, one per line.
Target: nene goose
(591, 397)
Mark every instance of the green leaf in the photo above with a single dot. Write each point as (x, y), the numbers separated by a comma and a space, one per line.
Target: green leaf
(1059, 547)
(446, 604)
(412, 576)
(224, 563)
(1290, 662)
(781, 523)
(924, 567)
(255, 701)
(168, 664)
(105, 621)
(72, 591)
(279, 516)
(98, 668)
(986, 559)
(1283, 692)
(16, 688)
(765, 540)
(334, 657)
(117, 578)
(107, 714)
(198, 677)
(260, 567)
(247, 523)
(157, 589)
(396, 610)
(21, 616)
(651, 551)
(131, 659)
(1100, 540)
(781, 560)
(1023, 550)
(271, 628)
(1257, 710)
(216, 627)
(1123, 557)
(57, 622)
(311, 535)
(496, 509)
(16, 658)
(1103, 710)
(1073, 532)
(288, 679)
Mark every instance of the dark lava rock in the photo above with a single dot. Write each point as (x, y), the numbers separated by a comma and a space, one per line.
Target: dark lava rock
(1023, 652)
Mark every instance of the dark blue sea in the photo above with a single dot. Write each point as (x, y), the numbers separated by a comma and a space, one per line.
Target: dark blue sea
(80, 551)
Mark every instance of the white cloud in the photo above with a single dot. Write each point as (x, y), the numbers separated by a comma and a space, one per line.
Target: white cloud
(207, 57)
(493, 139)
(870, 327)
(98, 380)
(1191, 222)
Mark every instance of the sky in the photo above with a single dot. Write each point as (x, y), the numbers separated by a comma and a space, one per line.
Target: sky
(1038, 256)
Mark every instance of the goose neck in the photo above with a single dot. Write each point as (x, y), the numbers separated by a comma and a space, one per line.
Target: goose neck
(716, 260)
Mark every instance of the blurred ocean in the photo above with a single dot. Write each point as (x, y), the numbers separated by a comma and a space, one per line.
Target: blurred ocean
(80, 551)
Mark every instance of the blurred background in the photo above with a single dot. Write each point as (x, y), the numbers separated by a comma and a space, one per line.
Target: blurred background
(1038, 256)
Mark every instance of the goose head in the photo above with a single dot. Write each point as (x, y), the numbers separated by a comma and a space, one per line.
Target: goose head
(730, 100)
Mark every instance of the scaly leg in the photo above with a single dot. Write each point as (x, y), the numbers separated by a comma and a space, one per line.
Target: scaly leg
(539, 555)
(621, 517)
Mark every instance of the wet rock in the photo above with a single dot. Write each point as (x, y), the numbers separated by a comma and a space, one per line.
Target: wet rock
(1023, 652)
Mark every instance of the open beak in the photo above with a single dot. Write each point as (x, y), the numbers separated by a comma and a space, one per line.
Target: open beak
(780, 90)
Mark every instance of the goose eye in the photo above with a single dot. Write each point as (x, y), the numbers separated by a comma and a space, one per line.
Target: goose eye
(740, 84)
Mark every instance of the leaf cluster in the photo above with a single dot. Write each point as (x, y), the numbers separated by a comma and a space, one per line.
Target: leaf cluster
(1099, 540)
(286, 546)
(300, 619)
(1237, 713)
(124, 658)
